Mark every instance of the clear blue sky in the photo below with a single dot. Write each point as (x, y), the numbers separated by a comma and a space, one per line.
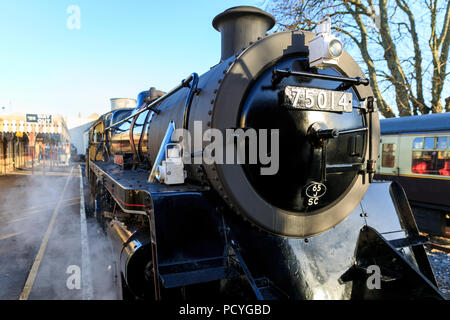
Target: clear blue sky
(121, 48)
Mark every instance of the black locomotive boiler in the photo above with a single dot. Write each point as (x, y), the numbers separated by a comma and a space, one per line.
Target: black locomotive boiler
(314, 226)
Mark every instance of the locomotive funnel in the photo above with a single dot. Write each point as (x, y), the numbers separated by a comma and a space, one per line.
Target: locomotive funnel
(241, 25)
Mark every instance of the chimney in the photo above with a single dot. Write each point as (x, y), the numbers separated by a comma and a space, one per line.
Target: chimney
(241, 25)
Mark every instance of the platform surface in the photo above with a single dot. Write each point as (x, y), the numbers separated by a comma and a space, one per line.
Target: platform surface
(49, 249)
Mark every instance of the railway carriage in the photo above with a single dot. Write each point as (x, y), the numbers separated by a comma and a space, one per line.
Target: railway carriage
(415, 151)
(301, 220)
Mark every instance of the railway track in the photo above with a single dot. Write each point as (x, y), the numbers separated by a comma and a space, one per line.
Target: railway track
(440, 247)
(438, 251)
(440, 243)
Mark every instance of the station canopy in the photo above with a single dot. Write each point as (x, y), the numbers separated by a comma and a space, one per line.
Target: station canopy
(44, 125)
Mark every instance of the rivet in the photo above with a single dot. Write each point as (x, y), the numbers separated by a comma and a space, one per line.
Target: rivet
(215, 91)
(212, 101)
(219, 81)
(209, 123)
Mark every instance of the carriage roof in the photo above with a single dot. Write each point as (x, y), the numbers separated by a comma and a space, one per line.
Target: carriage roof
(434, 122)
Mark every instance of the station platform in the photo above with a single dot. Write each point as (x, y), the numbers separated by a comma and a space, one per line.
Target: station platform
(49, 248)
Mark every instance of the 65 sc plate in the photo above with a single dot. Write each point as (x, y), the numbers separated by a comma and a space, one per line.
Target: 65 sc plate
(317, 99)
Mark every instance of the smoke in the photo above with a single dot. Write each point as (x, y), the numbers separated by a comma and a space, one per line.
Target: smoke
(43, 212)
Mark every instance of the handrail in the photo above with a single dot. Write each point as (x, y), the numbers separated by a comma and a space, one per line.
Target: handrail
(278, 74)
(187, 105)
(183, 84)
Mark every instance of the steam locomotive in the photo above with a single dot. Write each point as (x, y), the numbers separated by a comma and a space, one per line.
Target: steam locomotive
(254, 180)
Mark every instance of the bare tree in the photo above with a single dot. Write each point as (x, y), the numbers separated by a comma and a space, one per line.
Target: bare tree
(391, 36)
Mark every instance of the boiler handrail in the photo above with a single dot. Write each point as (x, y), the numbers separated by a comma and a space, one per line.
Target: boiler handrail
(183, 84)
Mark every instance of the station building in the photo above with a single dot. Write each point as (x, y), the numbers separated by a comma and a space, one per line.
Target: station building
(77, 126)
(28, 140)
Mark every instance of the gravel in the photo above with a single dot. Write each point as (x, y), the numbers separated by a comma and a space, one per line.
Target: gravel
(440, 262)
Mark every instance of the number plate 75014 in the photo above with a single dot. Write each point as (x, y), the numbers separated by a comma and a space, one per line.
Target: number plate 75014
(317, 99)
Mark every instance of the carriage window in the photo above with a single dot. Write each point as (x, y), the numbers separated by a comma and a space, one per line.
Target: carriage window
(418, 143)
(444, 163)
(442, 143)
(434, 162)
(429, 143)
(388, 155)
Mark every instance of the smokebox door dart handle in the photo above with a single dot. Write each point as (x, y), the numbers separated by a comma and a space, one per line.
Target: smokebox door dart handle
(362, 129)
(323, 162)
(318, 132)
(319, 135)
